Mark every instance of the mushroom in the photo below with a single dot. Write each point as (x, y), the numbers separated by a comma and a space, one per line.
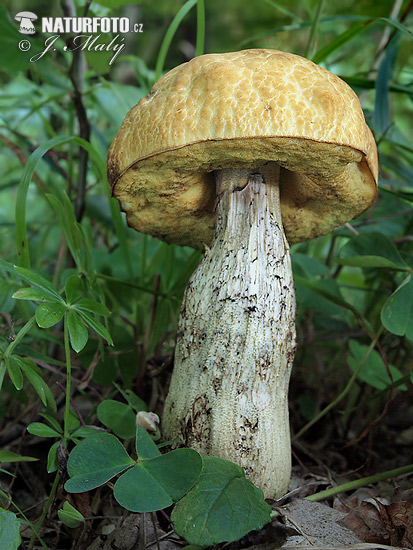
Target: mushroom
(26, 25)
(240, 154)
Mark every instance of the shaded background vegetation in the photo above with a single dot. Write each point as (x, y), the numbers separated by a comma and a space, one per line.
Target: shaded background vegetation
(340, 294)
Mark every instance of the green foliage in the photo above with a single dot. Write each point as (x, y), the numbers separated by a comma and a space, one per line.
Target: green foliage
(150, 483)
(53, 307)
(70, 516)
(118, 417)
(94, 461)
(397, 312)
(371, 249)
(10, 456)
(9, 530)
(374, 371)
(222, 506)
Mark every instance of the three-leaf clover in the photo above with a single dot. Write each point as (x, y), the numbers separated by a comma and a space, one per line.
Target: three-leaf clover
(152, 482)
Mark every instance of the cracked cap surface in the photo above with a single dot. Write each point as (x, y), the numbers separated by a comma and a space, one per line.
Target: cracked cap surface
(239, 109)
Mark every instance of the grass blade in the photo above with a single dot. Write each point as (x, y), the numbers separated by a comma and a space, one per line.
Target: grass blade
(381, 117)
(22, 242)
(283, 10)
(398, 26)
(200, 27)
(170, 33)
(314, 30)
(342, 39)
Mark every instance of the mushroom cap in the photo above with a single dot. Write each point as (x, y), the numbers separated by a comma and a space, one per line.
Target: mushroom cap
(239, 109)
(25, 15)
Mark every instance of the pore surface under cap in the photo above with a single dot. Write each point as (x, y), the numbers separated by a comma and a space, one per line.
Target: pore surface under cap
(243, 109)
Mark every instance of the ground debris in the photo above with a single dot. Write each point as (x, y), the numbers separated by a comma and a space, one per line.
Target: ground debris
(376, 522)
(316, 524)
(127, 534)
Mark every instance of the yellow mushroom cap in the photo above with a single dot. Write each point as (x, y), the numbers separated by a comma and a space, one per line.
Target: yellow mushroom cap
(238, 109)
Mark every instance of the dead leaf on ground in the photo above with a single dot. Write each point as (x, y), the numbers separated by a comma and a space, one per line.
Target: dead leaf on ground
(390, 524)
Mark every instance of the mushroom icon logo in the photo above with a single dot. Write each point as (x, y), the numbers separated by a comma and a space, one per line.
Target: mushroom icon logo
(26, 19)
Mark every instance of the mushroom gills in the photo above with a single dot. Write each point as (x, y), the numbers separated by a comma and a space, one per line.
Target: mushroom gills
(236, 336)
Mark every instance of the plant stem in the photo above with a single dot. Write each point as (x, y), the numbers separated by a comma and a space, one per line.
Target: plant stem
(45, 511)
(22, 332)
(68, 378)
(148, 332)
(344, 392)
(76, 76)
(351, 485)
(132, 285)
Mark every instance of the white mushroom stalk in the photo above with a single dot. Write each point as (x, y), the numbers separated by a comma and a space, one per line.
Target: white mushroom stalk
(236, 336)
(228, 114)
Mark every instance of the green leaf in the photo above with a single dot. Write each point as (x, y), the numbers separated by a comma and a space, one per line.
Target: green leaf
(137, 491)
(77, 331)
(42, 430)
(10, 456)
(73, 288)
(40, 282)
(222, 506)
(372, 249)
(100, 63)
(397, 312)
(49, 314)
(70, 516)
(312, 299)
(75, 238)
(14, 370)
(157, 483)
(9, 530)
(118, 417)
(167, 40)
(22, 241)
(53, 422)
(52, 460)
(145, 446)
(94, 461)
(329, 290)
(6, 291)
(381, 119)
(134, 401)
(374, 371)
(39, 385)
(85, 431)
(73, 421)
(395, 24)
(91, 306)
(96, 326)
(342, 39)
(408, 197)
(33, 294)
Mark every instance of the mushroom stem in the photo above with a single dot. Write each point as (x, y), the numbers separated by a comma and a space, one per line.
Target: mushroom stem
(236, 336)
